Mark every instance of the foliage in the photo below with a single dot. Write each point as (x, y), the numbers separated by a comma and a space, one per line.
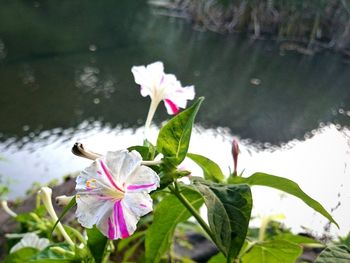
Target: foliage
(228, 201)
(339, 254)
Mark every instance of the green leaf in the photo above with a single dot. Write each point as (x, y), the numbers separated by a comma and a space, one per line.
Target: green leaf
(285, 185)
(57, 253)
(96, 243)
(338, 254)
(142, 150)
(174, 138)
(229, 208)
(218, 258)
(211, 170)
(131, 250)
(273, 252)
(21, 255)
(168, 213)
(147, 152)
(123, 243)
(71, 204)
(297, 239)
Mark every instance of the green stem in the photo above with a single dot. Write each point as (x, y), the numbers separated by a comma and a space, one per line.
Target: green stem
(107, 251)
(194, 212)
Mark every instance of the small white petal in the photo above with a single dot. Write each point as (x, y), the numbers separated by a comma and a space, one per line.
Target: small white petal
(31, 240)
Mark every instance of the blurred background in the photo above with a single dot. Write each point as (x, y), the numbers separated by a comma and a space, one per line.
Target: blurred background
(275, 75)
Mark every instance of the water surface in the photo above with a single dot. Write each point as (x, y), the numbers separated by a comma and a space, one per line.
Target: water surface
(65, 77)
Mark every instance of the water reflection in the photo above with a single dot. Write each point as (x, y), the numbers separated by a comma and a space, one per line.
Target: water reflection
(2, 50)
(88, 80)
(320, 164)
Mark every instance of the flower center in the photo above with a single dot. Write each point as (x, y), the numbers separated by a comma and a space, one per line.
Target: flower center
(113, 193)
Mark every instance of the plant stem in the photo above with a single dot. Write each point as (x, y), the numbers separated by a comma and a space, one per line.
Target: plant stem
(107, 251)
(194, 212)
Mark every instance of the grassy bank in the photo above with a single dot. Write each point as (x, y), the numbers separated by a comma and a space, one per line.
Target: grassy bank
(312, 24)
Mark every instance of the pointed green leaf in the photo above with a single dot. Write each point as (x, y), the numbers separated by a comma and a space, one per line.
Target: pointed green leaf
(71, 204)
(174, 137)
(211, 170)
(168, 213)
(229, 208)
(336, 254)
(285, 185)
(298, 239)
(142, 150)
(273, 252)
(96, 243)
(21, 255)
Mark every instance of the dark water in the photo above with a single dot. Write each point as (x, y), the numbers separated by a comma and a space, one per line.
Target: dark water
(65, 72)
(51, 77)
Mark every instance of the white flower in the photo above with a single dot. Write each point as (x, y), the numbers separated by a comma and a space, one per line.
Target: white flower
(31, 240)
(160, 86)
(113, 193)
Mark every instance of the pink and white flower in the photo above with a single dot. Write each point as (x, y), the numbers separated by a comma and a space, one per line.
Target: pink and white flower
(160, 86)
(113, 193)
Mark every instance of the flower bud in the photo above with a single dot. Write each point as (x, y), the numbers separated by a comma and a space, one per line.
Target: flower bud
(45, 194)
(235, 152)
(7, 209)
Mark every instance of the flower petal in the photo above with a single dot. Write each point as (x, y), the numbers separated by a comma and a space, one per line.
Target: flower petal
(120, 222)
(31, 240)
(91, 209)
(142, 179)
(89, 175)
(177, 98)
(149, 77)
(139, 203)
(122, 164)
(171, 107)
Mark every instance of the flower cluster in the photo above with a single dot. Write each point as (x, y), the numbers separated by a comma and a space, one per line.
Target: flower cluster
(113, 192)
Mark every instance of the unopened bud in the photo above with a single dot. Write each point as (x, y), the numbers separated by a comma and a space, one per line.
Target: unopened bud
(235, 152)
(61, 251)
(45, 194)
(7, 209)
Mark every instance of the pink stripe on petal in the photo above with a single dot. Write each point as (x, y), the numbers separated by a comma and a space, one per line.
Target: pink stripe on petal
(109, 176)
(121, 220)
(143, 205)
(140, 186)
(111, 229)
(173, 107)
(161, 80)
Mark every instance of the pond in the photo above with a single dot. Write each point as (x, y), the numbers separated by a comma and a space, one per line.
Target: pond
(65, 77)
